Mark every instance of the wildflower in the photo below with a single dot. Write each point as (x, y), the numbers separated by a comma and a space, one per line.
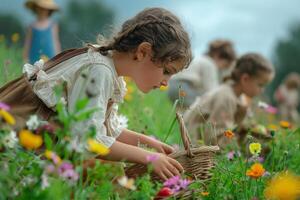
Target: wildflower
(263, 105)
(256, 171)
(33, 122)
(29, 140)
(259, 128)
(165, 192)
(126, 182)
(66, 171)
(163, 88)
(45, 182)
(15, 37)
(232, 154)
(123, 121)
(271, 110)
(256, 158)
(152, 157)
(96, 147)
(128, 95)
(204, 193)
(4, 106)
(284, 186)
(53, 156)
(229, 134)
(255, 148)
(10, 139)
(7, 117)
(176, 183)
(285, 124)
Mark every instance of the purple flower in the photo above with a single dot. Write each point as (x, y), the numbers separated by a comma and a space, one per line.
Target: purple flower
(64, 167)
(266, 174)
(184, 183)
(172, 181)
(254, 158)
(4, 106)
(152, 157)
(230, 155)
(70, 174)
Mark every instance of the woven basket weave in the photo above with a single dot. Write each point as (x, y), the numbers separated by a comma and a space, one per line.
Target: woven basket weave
(196, 162)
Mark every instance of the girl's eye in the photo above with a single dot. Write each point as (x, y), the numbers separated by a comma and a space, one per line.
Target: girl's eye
(166, 72)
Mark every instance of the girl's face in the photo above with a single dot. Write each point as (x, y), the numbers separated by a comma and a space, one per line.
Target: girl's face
(42, 12)
(150, 75)
(254, 85)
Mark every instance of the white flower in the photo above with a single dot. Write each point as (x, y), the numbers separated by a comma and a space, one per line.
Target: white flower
(33, 122)
(45, 182)
(10, 139)
(263, 105)
(123, 121)
(126, 182)
(75, 145)
(63, 101)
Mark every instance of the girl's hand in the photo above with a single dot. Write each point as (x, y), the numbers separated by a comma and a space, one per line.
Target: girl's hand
(161, 147)
(166, 167)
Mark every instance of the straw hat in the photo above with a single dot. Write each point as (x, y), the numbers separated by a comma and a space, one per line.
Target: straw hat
(46, 4)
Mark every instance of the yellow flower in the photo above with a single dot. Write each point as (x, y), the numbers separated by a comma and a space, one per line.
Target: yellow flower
(7, 117)
(15, 37)
(97, 147)
(53, 156)
(163, 88)
(255, 148)
(30, 140)
(273, 127)
(204, 193)
(229, 134)
(128, 97)
(284, 186)
(285, 124)
(2, 38)
(127, 79)
(256, 171)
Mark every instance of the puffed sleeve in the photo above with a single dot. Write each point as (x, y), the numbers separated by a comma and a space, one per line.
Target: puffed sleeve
(97, 83)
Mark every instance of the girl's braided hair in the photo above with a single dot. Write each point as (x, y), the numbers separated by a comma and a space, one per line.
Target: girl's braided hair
(162, 29)
(252, 64)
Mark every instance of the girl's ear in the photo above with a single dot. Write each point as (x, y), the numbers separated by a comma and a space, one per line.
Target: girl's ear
(244, 78)
(143, 50)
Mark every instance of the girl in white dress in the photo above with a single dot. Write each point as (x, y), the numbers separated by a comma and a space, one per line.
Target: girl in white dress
(149, 48)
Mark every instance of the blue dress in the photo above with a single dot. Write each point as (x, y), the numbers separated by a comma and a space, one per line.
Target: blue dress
(42, 43)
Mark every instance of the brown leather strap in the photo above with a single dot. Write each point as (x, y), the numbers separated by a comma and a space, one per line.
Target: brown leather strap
(65, 55)
(59, 58)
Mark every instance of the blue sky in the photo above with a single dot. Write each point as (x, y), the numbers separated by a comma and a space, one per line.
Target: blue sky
(253, 25)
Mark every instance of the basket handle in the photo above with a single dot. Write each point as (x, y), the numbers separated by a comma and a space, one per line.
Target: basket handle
(184, 135)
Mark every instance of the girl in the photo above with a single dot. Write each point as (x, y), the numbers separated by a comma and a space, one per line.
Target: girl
(287, 97)
(204, 73)
(149, 48)
(42, 40)
(222, 107)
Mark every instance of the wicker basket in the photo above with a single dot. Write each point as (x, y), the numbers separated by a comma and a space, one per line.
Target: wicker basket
(196, 162)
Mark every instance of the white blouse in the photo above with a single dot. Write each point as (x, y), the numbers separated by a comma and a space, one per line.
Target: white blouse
(89, 74)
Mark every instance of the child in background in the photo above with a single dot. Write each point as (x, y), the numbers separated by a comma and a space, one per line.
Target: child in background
(287, 97)
(222, 107)
(149, 48)
(42, 40)
(205, 73)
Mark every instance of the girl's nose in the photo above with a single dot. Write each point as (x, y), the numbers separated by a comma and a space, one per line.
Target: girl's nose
(164, 83)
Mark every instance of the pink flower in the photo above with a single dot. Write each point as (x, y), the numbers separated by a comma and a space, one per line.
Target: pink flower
(271, 110)
(172, 181)
(70, 174)
(4, 106)
(176, 184)
(64, 167)
(152, 157)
